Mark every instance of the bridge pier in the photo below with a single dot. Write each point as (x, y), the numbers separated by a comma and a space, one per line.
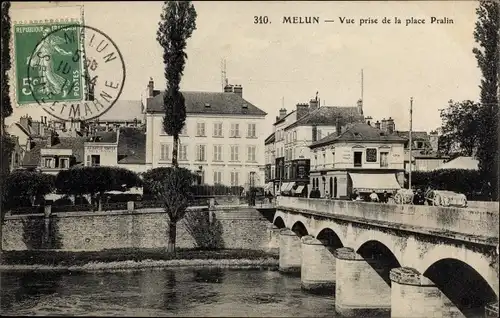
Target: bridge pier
(359, 289)
(290, 258)
(414, 295)
(318, 265)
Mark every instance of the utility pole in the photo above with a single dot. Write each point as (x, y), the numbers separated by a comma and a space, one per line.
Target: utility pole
(410, 143)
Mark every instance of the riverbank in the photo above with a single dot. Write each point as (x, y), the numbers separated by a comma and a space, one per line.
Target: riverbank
(134, 259)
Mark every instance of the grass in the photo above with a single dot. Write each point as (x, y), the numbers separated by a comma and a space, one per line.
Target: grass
(64, 258)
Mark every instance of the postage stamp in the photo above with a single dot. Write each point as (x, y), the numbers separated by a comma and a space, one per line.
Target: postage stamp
(75, 72)
(55, 47)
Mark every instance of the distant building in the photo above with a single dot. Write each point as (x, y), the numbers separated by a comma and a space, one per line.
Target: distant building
(362, 158)
(125, 148)
(54, 153)
(294, 133)
(221, 140)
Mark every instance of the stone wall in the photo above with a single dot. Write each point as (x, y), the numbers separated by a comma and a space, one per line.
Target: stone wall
(242, 227)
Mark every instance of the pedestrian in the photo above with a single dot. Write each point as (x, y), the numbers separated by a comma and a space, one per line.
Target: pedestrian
(385, 197)
(374, 197)
(354, 195)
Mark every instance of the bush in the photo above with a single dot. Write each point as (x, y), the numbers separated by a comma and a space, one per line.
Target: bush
(468, 182)
(24, 186)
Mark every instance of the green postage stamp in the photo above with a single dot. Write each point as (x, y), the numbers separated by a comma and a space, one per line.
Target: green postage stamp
(46, 64)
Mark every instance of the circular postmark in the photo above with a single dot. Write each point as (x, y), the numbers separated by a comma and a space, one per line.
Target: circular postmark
(76, 72)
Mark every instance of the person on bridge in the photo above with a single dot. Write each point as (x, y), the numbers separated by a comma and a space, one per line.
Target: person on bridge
(374, 197)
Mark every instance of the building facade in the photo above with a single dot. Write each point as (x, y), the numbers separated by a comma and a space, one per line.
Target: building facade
(362, 158)
(220, 141)
(295, 132)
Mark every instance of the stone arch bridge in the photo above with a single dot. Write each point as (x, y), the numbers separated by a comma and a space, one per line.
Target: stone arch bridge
(414, 261)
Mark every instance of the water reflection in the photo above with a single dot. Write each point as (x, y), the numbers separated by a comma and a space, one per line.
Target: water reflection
(159, 292)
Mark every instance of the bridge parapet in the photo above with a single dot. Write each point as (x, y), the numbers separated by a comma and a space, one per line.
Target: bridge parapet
(475, 222)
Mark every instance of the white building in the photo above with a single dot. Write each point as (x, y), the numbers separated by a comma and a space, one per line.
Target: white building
(221, 140)
(362, 158)
(295, 132)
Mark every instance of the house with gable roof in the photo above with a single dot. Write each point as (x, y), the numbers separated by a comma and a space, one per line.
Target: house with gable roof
(221, 140)
(296, 131)
(362, 158)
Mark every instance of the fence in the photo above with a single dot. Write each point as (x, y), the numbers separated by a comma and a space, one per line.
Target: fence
(120, 206)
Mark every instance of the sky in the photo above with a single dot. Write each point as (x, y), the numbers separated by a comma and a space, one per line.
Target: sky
(285, 64)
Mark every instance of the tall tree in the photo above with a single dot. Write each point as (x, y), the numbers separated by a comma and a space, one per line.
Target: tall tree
(486, 34)
(172, 187)
(460, 124)
(178, 21)
(6, 104)
(6, 144)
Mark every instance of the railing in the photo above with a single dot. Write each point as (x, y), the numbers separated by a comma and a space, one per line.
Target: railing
(120, 206)
(477, 223)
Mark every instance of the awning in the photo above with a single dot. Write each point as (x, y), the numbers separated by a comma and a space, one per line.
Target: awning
(284, 186)
(299, 189)
(290, 186)
(368, 182)
(268, 186)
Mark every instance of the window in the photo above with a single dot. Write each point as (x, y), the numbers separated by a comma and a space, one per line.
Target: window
(63, 163)
(251, 153)
(183, 152)
(333, 158)
(357, 158)
(217, 177)
(251, 131)
(184, 129)
(165, 152)
(200, 153)
(200, 129)
(235, 153)
(371, 155)
(217, 130)
(217, 153)
(95, 160)
(235, 130)
(384, 159)
(47, 163)
(272, 173)
(294, 136)
(324, 159)
(234, 178)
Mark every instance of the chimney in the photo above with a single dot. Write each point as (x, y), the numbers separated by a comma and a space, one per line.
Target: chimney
(151, 87)
(383, 124)
(434, 140)
(314, 133)
(313, 104)
(238, 90)
(360, 106)
(377, 125)
(390, 125)
(282, 113)
(302, 110)
(338, 127)
(228, 88)
(368, 120)
(23, 121)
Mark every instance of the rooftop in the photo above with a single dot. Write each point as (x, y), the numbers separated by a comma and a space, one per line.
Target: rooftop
(208, 103)
(359, 132)
(269, 139)
(123, 110)
(329, 116)
(32, 157)
(132, 146)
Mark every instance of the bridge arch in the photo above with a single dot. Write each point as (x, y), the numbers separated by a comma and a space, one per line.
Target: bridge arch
(300, 229)
(279, 222)
(463, 285)
(380, 257)
(476, 261)
(329, 235)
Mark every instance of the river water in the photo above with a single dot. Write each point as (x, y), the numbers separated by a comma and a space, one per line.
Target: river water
(161, 292)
